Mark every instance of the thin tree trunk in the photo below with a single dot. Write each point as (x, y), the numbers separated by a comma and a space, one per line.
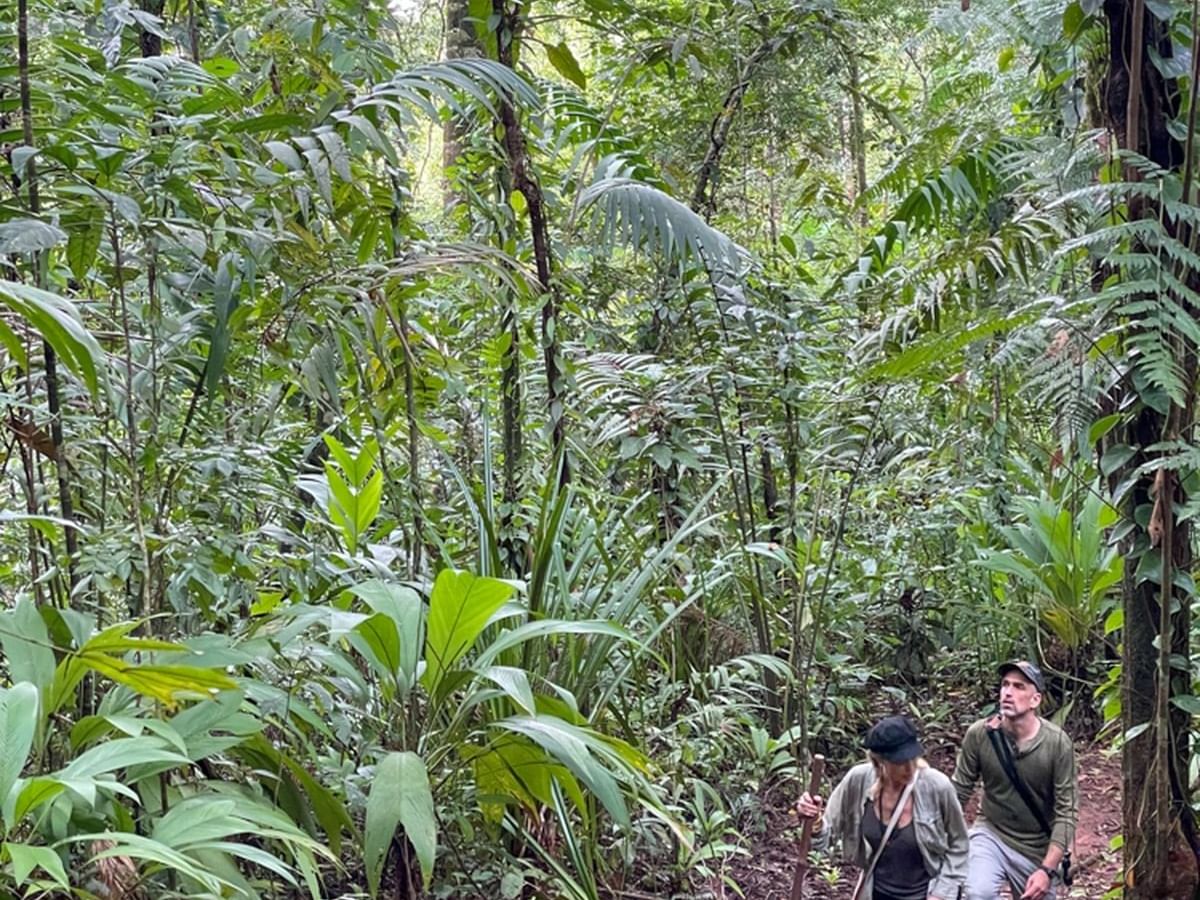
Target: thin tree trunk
(512, 547)
(410, 404)
(703, 201)
(414, 455)
(510, 24)
(150, 43)
(53, 402)
(858, 137)
(146, 600)
(29, 487)
(704, 195)
(193, 32)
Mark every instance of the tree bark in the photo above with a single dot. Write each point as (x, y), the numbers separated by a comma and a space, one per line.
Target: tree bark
(510, 22)
(53, 401)
(150, 43)
(1159, 828)
(512, 545)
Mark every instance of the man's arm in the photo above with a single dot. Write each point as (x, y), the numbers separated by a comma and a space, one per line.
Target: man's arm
(966, 767)
(1062, 828)
(1066, 801)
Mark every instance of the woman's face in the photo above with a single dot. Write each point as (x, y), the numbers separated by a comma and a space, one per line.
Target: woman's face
(897, 773)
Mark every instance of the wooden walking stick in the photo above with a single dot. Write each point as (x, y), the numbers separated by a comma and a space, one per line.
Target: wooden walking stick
(815, 771)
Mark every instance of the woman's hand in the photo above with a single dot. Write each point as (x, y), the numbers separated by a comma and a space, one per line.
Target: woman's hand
(810, 807)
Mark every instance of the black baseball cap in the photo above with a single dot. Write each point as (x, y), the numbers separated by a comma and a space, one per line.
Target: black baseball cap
(894, 739)
(1031, 672)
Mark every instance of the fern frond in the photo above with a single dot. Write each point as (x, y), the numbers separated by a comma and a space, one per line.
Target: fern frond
(592, 135)
(967, 184)
(940, 349)
(167, 81)
(1156, 361)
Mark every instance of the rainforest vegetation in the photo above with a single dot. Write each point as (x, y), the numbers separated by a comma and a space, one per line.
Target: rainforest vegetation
(485, 448)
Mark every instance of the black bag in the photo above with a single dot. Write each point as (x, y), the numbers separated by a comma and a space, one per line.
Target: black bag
(1004, 754)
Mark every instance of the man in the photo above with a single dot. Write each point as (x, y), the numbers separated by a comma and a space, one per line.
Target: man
(1010, 841)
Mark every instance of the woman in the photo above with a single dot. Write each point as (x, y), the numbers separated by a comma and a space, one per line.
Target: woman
(898, 795)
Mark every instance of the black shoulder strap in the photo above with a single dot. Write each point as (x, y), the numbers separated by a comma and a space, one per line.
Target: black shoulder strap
(1004, 754)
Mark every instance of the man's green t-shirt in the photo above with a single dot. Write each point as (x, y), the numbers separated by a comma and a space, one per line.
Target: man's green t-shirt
(1047, 766)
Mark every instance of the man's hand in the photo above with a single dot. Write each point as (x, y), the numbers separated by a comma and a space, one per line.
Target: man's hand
(1037, 885)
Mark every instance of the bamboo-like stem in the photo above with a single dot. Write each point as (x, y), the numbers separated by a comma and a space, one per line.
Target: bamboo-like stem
(131, 426)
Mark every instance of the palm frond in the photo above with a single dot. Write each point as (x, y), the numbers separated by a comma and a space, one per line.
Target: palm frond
(449, 83)
(646, 217)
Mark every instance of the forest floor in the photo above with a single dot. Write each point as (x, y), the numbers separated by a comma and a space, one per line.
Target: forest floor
(766, 873)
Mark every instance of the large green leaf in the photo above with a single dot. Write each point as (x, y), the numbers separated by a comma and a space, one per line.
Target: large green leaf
(377, 639)
(400, 795)
(225, 302)
(28, 794)
(330, 812)
(404, 607)
(29, 236)
(57, 320)
(546, 627)
(447, 83)
(564, 61)
(166, 683)
(212, 821)
(26, 858)
(512, 768)
(576, 748)
(18, 724)
(460, 605)
(112, 756)
(26, 645)
(119, 843)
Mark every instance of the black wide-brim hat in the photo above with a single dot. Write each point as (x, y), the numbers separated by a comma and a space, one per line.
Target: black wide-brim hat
(894, 739)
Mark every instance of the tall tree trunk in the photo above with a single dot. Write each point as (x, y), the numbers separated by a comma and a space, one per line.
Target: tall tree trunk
(461, 43)
(1159, 826)
(510, 22)
(53, 402)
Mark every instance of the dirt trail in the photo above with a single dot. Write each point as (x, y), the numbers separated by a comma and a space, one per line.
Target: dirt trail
(766, 874)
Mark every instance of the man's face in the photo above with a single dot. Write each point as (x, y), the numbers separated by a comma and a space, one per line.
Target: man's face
(1018, 696)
